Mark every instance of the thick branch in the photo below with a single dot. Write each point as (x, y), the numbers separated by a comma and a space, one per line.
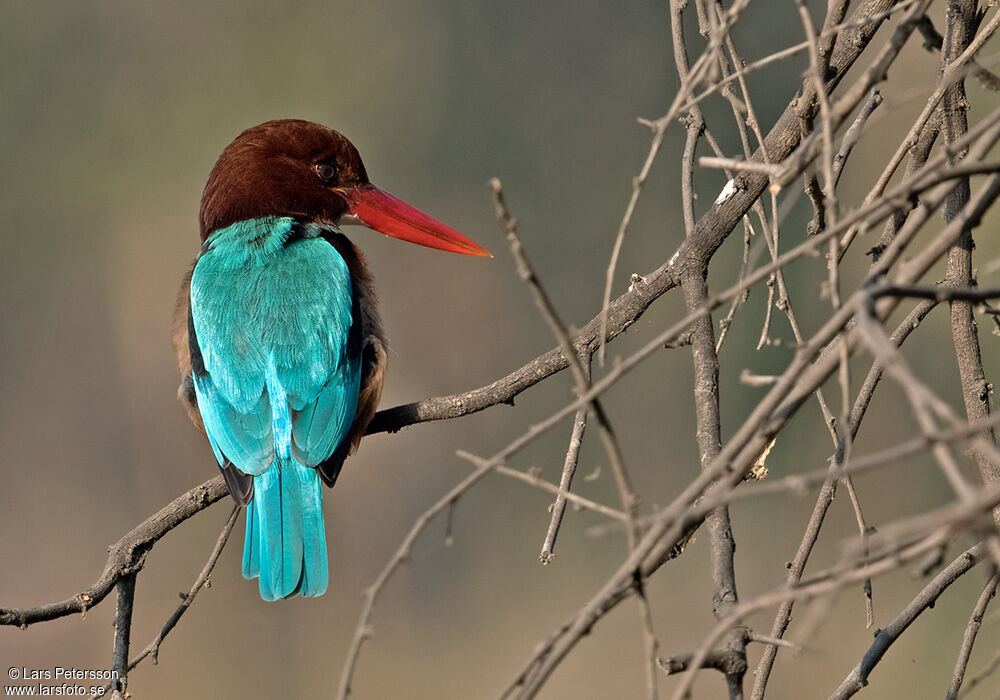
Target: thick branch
(727, 662)
(123, 633)
(976, 389)
(709, 435)
(126, 556)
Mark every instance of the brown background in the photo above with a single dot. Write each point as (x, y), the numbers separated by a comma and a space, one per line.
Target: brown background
(111, 116)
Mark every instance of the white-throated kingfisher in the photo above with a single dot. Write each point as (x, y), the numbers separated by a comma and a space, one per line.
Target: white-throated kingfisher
(278, 336)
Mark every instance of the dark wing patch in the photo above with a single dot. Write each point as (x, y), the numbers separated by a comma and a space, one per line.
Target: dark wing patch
(240, 484)
(373, 365)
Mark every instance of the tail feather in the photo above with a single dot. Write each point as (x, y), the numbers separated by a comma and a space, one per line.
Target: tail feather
(285, 545)
(251, 544)
(315, 568)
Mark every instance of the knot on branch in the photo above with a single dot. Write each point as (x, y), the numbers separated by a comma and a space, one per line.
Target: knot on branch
(125, 558)
(985, 391)
(729, 662)
(876, 252)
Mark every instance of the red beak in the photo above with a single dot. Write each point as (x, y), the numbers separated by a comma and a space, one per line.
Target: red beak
(382, 212)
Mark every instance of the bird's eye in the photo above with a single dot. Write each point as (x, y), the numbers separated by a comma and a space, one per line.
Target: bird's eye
(325, 171)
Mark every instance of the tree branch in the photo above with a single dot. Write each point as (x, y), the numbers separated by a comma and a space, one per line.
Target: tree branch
(126, 556)
(884, 638)
(962, 21)
(123, 632)
(969, 638)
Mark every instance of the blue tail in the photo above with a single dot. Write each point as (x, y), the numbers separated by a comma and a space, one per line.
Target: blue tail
(285, 543)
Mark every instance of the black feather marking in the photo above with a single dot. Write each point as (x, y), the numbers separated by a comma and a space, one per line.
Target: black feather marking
(295, 233)
(240, 484)
(347, 252)
(329, 470)
(197, 361)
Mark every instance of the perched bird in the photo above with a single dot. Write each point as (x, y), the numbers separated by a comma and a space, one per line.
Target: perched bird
(278, 336)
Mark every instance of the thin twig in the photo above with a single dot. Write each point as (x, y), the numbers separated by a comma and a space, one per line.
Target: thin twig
(969, 638)
(126, 556)
(934, 41)
(858, 677)
(581, 374)
(853, 134)
(363, 631)
(152, 650)
(990, 668)
(565, 481)
(533, 480)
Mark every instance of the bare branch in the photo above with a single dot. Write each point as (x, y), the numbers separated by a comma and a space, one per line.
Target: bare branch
(934, 41)
(771, 414)
(988, 671)
(202, 581)
(363, 630)
(729, 663)
(824, 500)
(123, 632)
(962, 21)
(971, 630)
(581, 374)
(858, 677)
(565, 481)
(126, 556)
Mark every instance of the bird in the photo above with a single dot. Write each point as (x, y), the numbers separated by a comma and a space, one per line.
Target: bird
(278, 336)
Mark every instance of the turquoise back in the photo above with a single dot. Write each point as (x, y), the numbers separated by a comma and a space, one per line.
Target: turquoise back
(276, 377)
(271, 305)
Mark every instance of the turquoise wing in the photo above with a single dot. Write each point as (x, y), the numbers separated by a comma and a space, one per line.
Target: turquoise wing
(289, 317)
(277, 369)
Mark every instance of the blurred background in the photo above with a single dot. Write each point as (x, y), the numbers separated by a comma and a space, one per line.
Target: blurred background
(112, 114)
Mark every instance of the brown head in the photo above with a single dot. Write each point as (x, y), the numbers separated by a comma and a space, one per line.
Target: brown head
(291, 167)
